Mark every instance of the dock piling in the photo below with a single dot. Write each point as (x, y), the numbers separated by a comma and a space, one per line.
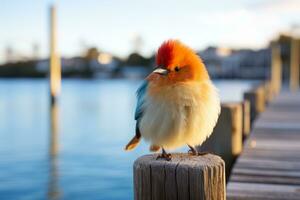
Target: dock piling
(276, 69)
(227, 137)
(295, 62)
(246, 118)
(256, 97)
(55, 65)
(185, 177)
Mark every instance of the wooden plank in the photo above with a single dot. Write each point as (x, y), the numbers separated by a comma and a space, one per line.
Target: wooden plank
(262, 164)
(276, 145)
(279, 125)
(262, 191)
(267, 172)
(270, 156)
(254, 178)
(280, 133)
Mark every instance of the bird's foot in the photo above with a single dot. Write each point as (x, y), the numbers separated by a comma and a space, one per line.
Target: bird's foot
(203, 153)
(164, 155)
(193, 151)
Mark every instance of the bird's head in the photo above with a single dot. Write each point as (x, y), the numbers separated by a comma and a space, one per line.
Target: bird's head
(177, 63)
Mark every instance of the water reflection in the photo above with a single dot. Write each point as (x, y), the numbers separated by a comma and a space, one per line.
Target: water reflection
(54, 191)
(54, 129)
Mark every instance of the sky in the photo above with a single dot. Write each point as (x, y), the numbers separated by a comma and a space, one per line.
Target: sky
(112, 25)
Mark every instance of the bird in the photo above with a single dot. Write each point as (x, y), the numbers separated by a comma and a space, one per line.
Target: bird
(177, 103)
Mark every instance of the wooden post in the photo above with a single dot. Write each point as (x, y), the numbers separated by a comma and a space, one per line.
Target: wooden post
(261, 101)
(256, 97)
(276, 69)
(227, 137)
(251, 97)
(55, 66)
(246, 118)
(268, 91)
(185, 177)
(236, 111)
(295, 62)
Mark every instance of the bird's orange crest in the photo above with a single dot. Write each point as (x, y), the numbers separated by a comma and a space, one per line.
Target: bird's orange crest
(181, 61)
(165, 53)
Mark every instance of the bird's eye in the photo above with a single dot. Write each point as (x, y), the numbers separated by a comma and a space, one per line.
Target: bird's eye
(176, 68)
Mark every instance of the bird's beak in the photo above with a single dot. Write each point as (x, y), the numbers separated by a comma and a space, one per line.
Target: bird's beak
(161, 71)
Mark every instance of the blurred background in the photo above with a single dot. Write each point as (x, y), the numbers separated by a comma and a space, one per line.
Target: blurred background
(64, 139)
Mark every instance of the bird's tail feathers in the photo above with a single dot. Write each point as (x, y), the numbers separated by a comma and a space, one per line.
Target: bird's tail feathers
(133, 143)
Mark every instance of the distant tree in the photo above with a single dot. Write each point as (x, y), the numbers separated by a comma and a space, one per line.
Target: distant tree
(92, 53)
(136, 59)
(90, 57)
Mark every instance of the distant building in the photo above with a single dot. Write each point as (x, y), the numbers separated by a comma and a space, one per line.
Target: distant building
(244, 63)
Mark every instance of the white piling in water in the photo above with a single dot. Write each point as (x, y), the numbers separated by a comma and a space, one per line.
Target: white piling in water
(55, 65)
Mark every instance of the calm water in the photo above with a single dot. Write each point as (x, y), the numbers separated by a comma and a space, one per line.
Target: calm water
(95, 121)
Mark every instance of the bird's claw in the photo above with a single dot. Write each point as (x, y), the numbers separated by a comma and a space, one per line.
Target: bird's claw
(193, 152)
(202, 153)
(196, 153)
(165, 156)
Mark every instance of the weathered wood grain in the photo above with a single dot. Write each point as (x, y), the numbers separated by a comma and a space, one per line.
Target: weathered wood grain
(170, 178)
(184, 177)
(142, 175)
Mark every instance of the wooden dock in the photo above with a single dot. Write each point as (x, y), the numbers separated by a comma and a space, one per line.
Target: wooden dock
(269, 166)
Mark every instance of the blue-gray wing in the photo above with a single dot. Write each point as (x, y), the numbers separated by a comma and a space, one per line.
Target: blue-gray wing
(140, 94)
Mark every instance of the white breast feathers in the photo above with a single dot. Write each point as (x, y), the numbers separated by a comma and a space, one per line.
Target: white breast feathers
(184, 113)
